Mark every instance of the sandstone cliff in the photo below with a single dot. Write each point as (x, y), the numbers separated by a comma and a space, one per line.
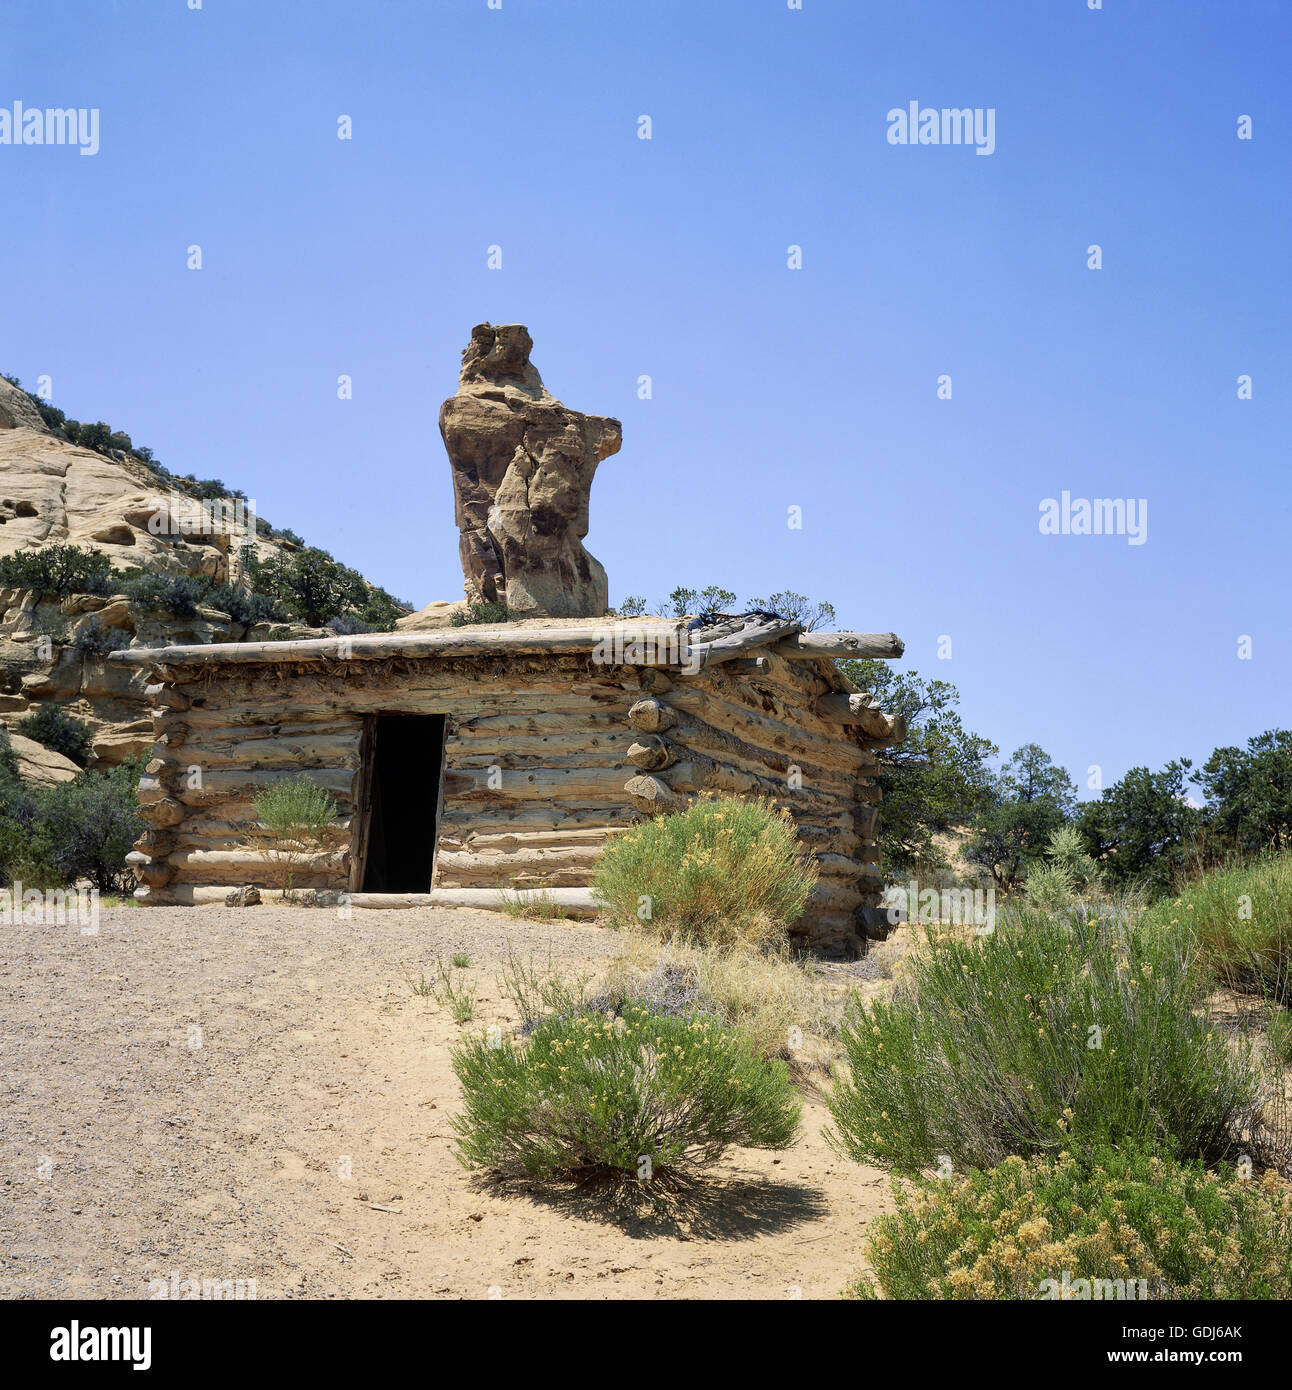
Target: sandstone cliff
(54, 492)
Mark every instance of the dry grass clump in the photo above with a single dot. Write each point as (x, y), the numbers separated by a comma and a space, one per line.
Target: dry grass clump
(775, 1000)
(1241, 917)
(530, 905)
(770, 995)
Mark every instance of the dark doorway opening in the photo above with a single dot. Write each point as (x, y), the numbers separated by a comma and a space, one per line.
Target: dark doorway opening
(403, 767)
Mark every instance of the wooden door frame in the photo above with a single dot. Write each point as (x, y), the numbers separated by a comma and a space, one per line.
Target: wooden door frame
(362, 818)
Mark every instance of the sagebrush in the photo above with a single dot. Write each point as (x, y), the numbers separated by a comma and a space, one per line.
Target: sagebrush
(1052, 1032)
(639, 1097)
(723, 870)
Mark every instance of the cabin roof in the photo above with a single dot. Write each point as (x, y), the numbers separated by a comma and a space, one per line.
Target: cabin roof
(689, 642)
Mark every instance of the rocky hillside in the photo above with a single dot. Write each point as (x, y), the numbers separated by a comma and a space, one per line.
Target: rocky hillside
(113, 502)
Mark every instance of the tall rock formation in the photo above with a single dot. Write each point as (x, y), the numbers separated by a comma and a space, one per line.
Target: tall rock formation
(522, 470)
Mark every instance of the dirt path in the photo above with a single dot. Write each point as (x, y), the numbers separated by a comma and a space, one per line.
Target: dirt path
(134, 1147)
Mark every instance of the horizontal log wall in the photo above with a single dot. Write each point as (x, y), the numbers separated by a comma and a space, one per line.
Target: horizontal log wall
(534, 766)
(756, 731)
(545, 759)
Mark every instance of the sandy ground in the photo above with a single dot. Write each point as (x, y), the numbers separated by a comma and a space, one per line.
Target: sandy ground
(223, 1094)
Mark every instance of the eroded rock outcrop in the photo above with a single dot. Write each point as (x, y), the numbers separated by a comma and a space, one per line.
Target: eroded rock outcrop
(523, 465)
(56, 493)
(17, 411)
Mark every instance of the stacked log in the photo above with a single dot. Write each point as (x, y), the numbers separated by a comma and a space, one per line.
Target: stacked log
(534, 766)
(548, 754)
(779, 729)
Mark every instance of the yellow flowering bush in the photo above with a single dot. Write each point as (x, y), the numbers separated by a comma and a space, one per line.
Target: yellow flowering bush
(638, 1096)
(723, 871)
(1122, 1225)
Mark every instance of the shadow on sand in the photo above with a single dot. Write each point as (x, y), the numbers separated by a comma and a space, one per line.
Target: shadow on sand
(689, 1208)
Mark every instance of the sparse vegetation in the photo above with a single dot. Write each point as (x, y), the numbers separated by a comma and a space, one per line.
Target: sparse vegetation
(722, 871)
(457, 996)
(536, 904)
(293, 817)
(1124, 1225)
(481, 613)
(639, 1098)
(64, 733)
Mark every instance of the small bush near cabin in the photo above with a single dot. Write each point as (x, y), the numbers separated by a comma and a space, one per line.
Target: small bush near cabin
(292, 817)
(86, 827)
(640, 1097)
(1051, 1033)
(720, 872)
(63, 732)
(1124, 1226)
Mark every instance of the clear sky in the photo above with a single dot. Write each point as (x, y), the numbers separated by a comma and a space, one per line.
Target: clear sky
(773, 387)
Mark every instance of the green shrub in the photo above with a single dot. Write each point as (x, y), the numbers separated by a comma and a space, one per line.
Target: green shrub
(637, 1097)
(54, 626)
(722, 871)
(1242, 919)
(244, 608)
(8, 758)
(1131, 1225)
(481, 613)
(63, 732)
(293, 817)
(95, 640)
(1050, 887)
(176, 594)
(1067, 853)
(310, 585)
(1052, 1032)
(57, 569)
(86, 827)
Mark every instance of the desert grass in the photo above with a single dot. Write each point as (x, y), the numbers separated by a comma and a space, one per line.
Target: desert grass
(1241, 916)
(456, 995)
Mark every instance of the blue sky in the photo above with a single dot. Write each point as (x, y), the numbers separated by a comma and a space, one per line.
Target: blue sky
(772, 388)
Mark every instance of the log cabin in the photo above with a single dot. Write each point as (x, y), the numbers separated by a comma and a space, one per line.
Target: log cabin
(478, 761)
